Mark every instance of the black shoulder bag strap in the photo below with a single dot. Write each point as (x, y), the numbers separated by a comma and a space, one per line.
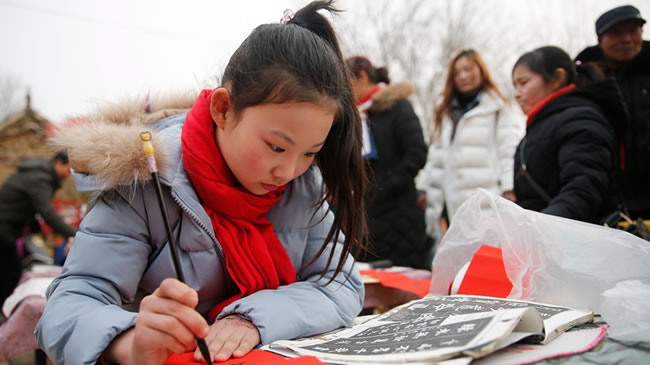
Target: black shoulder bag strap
(524, 172)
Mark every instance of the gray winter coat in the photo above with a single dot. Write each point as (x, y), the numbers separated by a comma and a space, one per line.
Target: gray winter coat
(121, 254)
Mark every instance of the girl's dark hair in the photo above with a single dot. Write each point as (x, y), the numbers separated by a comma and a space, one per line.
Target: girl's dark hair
(301, 61)
(357, 64)
(444, 107)
(592, 71)
(545, 60)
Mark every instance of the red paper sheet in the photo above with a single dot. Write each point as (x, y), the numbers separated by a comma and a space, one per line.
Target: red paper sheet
(255, 357)
(419, 287)
(486, 274)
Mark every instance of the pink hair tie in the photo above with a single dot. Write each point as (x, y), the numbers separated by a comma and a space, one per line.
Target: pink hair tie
(287, 15)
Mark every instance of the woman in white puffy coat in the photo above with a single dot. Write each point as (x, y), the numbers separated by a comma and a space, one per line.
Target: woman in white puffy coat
(476, 131)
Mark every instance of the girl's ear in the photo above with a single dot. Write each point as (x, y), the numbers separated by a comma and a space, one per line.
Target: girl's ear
(220, 103)
(559, 78)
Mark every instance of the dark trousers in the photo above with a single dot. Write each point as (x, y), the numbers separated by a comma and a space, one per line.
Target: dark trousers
(10, 268)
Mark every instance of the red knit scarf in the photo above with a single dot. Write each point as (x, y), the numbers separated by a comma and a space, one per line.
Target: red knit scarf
(255, 258)
(547, 100)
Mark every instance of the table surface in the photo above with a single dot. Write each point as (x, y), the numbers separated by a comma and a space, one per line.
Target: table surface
(16, 334)
(608, 351)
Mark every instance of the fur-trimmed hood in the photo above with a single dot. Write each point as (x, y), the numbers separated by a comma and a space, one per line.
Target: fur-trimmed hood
(107, 143)
(386, 97)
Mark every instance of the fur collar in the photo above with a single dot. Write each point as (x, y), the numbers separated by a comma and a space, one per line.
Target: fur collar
(107, 143)
(385, 98)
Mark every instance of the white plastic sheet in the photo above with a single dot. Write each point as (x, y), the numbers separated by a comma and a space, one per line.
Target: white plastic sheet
(551, 259)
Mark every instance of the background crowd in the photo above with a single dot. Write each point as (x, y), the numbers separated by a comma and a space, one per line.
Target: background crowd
(579, 150)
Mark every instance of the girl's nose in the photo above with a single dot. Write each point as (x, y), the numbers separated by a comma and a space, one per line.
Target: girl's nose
(284, 171)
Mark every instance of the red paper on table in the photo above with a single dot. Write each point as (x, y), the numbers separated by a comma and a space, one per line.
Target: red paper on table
(252, 358)
(419, 287)
(486, 274)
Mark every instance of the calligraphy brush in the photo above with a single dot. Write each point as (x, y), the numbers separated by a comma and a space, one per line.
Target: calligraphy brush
(151, 162)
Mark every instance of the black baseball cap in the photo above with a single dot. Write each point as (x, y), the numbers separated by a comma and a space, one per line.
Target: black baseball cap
(617, 15)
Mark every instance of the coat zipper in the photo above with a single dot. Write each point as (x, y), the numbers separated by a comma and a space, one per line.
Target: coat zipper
(196, 220)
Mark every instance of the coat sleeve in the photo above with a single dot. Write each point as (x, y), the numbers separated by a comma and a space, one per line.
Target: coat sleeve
(83, 312)
(308, 306)
(585, 152)
(510, 130)
(40, 193)
(410, 140)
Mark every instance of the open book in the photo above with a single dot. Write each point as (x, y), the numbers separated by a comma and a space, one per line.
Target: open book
(436, 328)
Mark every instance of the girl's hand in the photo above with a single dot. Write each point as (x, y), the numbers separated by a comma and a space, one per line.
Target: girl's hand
(230, 336)
(167, 323)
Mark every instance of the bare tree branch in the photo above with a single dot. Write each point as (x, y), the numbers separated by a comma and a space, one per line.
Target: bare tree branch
(415, 39)
(11, 94)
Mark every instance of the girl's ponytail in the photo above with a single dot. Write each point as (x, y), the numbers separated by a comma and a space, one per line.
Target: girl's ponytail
(310, 19)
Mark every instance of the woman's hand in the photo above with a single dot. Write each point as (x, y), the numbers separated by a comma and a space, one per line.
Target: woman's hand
(510, 195)
(167, 323)
(231, 336)
(422, 200)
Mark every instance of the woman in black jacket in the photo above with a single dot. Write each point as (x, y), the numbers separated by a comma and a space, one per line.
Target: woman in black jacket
(564, 164)
(394, 150)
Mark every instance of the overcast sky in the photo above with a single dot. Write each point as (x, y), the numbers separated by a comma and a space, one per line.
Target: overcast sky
(76, 54)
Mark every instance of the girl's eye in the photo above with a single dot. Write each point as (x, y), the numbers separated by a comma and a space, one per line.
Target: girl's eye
(275, 148)
(311, 154)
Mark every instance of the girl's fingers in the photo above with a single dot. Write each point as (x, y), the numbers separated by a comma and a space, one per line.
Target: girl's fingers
(153, 323)
(146, 338)
(161, 303)
(231, 336)
(178, 291)
(198, 356)
(238, 344)
(211, 340)
(246, 344)
(218, 335)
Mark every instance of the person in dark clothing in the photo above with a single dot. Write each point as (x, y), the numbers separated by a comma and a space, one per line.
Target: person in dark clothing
(25, 193)
(394, 150)
(621, 47)
(563, 165)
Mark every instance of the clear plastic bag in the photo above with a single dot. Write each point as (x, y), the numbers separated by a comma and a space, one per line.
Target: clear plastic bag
(547, 258)
(625, 308)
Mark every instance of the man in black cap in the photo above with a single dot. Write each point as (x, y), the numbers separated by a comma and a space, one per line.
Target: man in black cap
(627, 56)
(25, 193)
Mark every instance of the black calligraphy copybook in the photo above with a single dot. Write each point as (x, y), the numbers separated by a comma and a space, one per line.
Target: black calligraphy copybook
(437, 328)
